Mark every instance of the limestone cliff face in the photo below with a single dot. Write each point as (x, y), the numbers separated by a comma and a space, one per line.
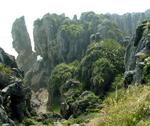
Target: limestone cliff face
(138, 51)
(22, 44)
(45, 37)
(129, 21)
(58, 39)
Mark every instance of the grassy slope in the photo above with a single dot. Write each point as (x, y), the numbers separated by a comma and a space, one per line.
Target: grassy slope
(129, 107)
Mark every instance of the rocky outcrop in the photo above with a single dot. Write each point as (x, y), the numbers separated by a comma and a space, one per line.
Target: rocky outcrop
(59, 39)
(45, 37)
(34, 67)
(129, 21)
(75, 101)
(37, 76)
(39, 101)
(14, 96)
(137, 53)
(7, 59)
(22, 44)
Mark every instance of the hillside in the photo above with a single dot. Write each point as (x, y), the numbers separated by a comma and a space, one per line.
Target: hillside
(125, 107)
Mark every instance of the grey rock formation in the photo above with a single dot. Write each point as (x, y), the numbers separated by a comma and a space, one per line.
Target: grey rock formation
(138, 50)
(7, 59)
(109, 30)
(22, 44)
(75, 101)
(14, 100)
(45, 33)
(37, 77)
(129, 21)
(59, 39)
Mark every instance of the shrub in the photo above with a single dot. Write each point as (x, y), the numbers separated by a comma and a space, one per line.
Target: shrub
(60, 74)
(146, 70)
(118, 82)
(5, 69)
(102, 74)
(101, 58)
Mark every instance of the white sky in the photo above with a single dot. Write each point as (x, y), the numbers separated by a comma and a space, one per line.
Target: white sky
(33, 9)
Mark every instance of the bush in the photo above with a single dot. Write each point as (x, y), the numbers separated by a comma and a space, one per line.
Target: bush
(60, 74)
(5, 70)
(118, 82)
(29, 121)
(101, 58)
(147, 70)
(102, 74)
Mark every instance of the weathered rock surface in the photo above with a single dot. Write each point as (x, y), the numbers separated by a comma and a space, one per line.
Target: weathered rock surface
(137, 52)
(7, 59)
(37, 76)
(59, 39)
(14, 97)
(22, 44)
(129, 21)
(75, 101)
(39, 101)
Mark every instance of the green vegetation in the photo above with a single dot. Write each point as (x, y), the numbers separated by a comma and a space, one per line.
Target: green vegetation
(109, 30)
(60, 75)
(118, 82)
(102, 69)
(72, 30)
(92, 86)
(5, 70)
(34, 121)
(126, 108)
(82, 119)
(147, 70)
(74, 39)
(103, 60)
(96, 71)
(87, 102)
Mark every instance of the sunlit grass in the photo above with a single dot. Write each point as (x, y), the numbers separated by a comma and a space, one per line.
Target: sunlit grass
(129, 107)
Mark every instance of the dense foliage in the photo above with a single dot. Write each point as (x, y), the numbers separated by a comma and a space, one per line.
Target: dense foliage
(60, 75)
(147, 71)
(103, 60)
(5, 70)
(126, 108)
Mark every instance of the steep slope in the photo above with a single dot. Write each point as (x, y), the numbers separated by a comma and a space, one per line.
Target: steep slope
(125, 108)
